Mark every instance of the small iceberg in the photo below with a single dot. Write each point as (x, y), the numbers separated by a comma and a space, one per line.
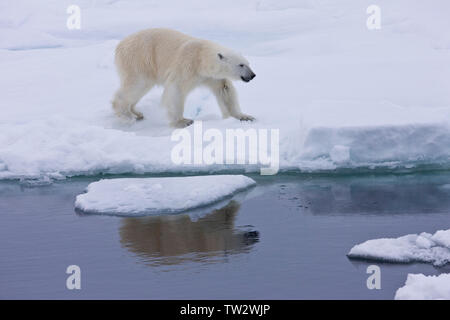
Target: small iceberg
(424, 247)
(143, 196)
(421, 287)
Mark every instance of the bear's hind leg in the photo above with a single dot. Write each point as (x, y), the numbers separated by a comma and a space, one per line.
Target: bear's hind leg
(173, 99)
(139, 115)
(120, 105)
(128, 96)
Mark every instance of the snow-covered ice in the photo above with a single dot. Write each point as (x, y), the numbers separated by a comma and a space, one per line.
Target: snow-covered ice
(137, 196)
(343, 97)
(424, 247)
(421, 287)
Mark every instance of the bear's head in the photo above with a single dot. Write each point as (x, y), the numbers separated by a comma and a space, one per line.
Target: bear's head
(222, 63)
(234, 66)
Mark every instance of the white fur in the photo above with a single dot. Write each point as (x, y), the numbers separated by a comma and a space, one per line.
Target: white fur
(180, 63)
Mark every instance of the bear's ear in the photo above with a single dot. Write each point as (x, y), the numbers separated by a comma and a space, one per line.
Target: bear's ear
(221, 57)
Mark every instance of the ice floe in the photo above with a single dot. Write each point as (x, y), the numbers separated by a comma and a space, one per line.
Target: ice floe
(424, 247)
(372, 100)
(421, 287)
(141, 196)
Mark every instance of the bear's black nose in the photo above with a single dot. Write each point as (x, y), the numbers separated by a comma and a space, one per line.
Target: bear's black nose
(253, 75)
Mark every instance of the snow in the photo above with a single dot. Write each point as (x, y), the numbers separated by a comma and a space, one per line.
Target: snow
(137, 196)
(421, 287)
(424, 247)
(343, 97)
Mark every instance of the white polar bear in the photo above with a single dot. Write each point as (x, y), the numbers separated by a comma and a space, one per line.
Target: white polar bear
(180, 63)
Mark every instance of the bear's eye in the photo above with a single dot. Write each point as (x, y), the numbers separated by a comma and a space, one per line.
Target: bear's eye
(241, 65)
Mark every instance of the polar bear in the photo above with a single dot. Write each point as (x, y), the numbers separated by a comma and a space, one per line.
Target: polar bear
(180, 63)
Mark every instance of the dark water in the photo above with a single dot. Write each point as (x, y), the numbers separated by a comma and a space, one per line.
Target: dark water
(287, 240)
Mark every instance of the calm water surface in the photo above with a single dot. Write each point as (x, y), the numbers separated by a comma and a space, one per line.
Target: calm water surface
(287, 238)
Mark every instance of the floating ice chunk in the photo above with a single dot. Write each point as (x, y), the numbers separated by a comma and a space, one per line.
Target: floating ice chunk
(424, 247)
(134, 196)
(421, 287)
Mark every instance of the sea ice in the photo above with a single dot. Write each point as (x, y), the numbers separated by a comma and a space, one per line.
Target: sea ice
(424, 247)
(343, 97)
(139, 196)
(421, 287)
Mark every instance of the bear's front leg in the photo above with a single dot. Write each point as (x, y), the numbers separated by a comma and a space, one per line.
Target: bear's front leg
(182, 123)
(173, 99)
(226, 96)
(245, 117)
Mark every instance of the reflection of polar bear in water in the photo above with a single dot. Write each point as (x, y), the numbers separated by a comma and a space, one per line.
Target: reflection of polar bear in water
(176, 238)
(180, 63)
